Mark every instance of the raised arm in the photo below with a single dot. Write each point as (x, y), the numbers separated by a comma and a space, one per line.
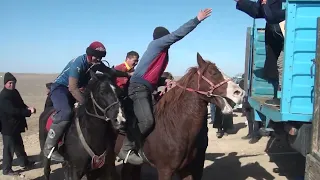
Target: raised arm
(182, 31)
(272, 13)
(253, 9)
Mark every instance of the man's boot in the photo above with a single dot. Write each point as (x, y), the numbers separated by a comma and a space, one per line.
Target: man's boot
(127, 152)
(54, 134)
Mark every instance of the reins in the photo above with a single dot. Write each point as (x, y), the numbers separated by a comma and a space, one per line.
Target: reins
(208, 93)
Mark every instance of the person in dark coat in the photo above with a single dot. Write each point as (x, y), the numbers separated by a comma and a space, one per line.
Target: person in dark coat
(13, 113)
(241, 84)
(48, 102)
(272, 12)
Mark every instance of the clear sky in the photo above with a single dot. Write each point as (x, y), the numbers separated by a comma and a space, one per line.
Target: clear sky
(43, 36)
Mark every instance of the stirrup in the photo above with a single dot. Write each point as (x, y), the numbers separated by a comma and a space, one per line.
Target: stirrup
(50, 154)
(127, 156)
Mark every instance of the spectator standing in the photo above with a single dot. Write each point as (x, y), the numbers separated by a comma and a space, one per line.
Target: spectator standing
(13, 113)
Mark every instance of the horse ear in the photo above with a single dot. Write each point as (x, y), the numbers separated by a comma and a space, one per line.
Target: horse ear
(200, 60)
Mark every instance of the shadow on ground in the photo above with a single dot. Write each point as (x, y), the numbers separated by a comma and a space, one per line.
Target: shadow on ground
(290, 163)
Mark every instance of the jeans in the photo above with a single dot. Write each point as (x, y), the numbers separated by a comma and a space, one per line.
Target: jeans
(62, 102)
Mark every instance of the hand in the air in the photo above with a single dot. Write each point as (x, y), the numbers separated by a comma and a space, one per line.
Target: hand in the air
(203, 14)
(264, 2)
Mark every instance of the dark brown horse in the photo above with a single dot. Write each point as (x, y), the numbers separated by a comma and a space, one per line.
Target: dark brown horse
(179, 117)
(90, 139)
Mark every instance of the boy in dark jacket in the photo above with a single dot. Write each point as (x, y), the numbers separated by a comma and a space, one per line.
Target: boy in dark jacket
(145, 79)
(13, 113)
(272, 12)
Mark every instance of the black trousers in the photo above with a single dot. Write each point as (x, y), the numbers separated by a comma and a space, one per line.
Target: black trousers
(13, 144)
(142, 106)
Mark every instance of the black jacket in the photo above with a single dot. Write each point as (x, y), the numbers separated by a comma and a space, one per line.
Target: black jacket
(273, 13)
(13, 112)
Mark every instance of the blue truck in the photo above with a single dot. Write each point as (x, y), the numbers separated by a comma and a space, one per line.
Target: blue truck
(295, 114)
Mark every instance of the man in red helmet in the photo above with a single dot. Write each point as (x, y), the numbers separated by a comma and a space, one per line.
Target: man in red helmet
(65, 91)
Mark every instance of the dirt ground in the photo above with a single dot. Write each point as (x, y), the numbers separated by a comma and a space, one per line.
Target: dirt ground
(228, 158)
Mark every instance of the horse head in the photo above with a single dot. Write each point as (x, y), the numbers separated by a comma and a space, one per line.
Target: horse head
(217, 86)
(102, 101)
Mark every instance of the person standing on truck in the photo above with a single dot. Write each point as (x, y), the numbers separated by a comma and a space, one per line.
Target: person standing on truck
(272, 12)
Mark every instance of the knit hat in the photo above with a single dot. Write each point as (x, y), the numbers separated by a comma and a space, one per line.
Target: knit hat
(8, 77)
(96, 49)
(160, 32)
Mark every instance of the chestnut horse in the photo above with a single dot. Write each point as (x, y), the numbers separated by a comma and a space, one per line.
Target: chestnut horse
(179, 117)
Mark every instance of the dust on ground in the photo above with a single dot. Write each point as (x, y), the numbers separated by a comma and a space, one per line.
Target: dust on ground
(228, 158)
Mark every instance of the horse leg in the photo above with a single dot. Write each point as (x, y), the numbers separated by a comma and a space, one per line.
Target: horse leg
(194, 170)
(93, 175)
(103, 173)
(185, 174)
(165, 174)
(136, 172)
(131, 172)
(108, 172)
(70, 172)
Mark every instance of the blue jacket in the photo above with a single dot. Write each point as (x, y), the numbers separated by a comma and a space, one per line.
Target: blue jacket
(76, 68)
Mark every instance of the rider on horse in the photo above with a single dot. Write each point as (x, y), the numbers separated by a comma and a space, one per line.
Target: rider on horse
(145, 79)
(65, 92)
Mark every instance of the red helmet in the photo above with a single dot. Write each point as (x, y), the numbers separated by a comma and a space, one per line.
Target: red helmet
(96, 49)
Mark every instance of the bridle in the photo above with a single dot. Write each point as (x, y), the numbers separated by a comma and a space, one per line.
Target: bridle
(104, 111)
(94, 102)
(96, 105)
(97, 161)
(212, 87)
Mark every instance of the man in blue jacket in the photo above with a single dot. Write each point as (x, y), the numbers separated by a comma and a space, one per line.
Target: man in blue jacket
(272, 12)
(65, 91)
(145, 79)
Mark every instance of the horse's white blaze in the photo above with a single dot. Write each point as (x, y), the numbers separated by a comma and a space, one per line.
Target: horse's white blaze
(234, 92)
(120, 117)
(113, 88)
